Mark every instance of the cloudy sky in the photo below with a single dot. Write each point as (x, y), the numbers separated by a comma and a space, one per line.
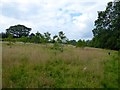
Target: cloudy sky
(74, 17)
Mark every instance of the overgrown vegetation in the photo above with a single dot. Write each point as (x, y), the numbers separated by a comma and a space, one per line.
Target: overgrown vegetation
(45, 61)
(31, 65)
(111, 72)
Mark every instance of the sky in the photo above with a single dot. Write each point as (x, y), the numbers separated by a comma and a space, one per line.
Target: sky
(74, 17)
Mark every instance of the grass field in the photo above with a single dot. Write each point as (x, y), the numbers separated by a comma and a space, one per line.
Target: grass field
(34, 65)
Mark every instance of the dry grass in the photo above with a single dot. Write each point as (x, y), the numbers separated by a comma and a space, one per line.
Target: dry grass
(75, 67)
(0, 65)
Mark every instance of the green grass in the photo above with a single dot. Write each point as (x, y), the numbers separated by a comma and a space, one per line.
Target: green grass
(111, 72)
(34, 65)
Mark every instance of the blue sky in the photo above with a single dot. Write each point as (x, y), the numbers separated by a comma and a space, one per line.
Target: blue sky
(74, 17)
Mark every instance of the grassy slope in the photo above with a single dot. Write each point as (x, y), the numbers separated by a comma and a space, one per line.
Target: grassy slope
(33, 65)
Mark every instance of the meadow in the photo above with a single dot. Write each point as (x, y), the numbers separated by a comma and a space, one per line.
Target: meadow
(37, 66)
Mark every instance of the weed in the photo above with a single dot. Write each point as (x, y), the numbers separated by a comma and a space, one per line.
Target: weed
(32, 66)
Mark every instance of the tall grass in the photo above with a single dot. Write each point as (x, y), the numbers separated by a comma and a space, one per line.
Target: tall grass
(0, 65)
(34, 65)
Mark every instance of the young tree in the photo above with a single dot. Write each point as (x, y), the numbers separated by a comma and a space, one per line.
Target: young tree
(58, 40)
(55, 38)
(61, 37)
(56, 45)
(36, 38)
(55, 41)
(47, 38)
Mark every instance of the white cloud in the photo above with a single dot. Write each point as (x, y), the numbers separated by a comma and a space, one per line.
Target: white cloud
(74, 17)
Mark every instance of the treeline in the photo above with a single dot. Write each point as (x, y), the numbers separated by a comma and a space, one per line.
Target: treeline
(21, 33)
(106, 32)
(107, 27)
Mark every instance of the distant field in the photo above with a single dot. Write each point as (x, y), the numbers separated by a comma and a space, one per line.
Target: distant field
(34, 65)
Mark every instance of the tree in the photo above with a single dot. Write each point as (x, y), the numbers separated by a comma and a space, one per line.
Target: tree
(81, 43)
(55, 38)
(58, 40)
(31, 35)
(72, 42)
(62, 37)
(47, 37)
(31, 38)
(36, 38)
(10, 39)
(3, 35)
(107, 27)
(24, 39)
(88, 43)
(18, 30)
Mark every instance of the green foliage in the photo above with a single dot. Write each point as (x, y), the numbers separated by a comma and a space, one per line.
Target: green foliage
(36, 38)
(3, 35)
(47, 37)
(107, 28)
(59, 74)
(72, 42)
(111, 73)
(58, 41)
(54, 38)
(119, 53)
(58, 46)
(18, 30)
(24, 39)
(74, 68)
(19, 75)
(81, 43)
(61, 37)
(11, 40)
